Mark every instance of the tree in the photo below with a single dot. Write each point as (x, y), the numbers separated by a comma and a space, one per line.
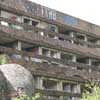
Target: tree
(91, 91)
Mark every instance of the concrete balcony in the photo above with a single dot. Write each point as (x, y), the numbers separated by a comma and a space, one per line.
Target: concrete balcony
(48, 32)
(39, 67)
(80, 25)
(33, 37)
(57, 93)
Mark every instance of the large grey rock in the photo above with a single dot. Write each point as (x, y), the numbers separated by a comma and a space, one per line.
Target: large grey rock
(18, 76)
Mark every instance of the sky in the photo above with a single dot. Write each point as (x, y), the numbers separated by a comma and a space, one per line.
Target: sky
(84, 9)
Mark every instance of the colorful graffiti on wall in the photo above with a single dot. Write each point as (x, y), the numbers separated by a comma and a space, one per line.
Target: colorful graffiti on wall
(44, 12)
(36, 9)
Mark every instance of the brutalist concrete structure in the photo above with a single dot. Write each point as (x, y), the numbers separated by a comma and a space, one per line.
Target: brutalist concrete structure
(60, 51)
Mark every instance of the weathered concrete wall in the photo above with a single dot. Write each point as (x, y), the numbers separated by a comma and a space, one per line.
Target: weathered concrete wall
(17, 76)
(53, 15)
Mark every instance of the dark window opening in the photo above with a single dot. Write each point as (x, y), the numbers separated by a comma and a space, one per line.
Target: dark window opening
(34, 23)
(62, 39)
(50, 84)
(80, 37)
(66, 57)
(30, 22)
(66, 87)
(26, 21)
(82, 60)
(45, 52)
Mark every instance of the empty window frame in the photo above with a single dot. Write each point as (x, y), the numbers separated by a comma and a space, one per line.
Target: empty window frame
(66, 56)
(81, 59)
(79, 36)
(30, 21)
(66, 87)
(49, 84)
(45, 52)
(55, 54)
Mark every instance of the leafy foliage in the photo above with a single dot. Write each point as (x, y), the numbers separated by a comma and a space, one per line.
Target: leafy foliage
(92, 91)
(3, 59)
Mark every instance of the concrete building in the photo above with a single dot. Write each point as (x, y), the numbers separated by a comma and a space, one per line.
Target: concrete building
(60, 51)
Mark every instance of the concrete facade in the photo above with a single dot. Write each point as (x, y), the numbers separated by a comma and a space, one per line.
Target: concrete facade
(45, 51)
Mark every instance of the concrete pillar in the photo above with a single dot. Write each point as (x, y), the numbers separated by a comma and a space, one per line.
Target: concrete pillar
(17, 45)
(59, 86)
(74, 58)
(40, 50)
(40, 83)
(59, 55)
(22, 19)
(72, 35)
(49, 53)
(85, 38)
(89, 61)
(78, 88)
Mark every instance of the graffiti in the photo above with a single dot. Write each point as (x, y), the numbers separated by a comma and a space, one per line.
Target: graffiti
(6, 30)
(70, 20)
(39, 10)
(31, 7)
(49, 13)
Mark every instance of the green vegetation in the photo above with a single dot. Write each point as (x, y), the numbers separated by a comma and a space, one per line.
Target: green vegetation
(91, 91)
(3, 59)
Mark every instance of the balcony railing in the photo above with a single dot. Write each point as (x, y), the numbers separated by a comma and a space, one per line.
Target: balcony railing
(41, 68)
(55, 92)
(37, 38)
(29, 55)
(48, 32)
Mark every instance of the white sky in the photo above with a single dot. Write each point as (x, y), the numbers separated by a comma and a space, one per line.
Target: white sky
(84, 9)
